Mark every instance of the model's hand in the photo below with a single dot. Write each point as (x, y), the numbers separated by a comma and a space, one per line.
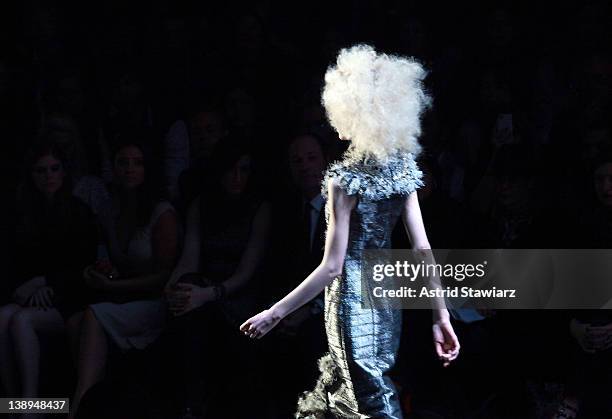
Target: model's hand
(260, 324)
(42, 298)
(445, 341)
(187, 297)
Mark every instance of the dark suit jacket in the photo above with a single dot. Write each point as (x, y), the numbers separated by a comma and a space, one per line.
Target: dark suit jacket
(292, 260)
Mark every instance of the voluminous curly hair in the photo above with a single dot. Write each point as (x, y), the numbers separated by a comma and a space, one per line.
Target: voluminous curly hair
(376, 101)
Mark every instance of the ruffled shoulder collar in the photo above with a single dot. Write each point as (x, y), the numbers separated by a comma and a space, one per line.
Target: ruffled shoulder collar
(399, 175)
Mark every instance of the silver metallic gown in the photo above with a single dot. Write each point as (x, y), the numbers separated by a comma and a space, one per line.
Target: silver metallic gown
(363, 343)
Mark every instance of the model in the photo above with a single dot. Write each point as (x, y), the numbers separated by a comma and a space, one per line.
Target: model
(375, 101)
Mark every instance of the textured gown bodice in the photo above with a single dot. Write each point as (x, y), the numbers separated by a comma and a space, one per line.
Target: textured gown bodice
(372, 223)
(363, 342)
(381, 190)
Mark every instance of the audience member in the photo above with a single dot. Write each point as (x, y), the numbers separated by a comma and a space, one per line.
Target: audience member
(214, 286)
(56, 238)
(296, 249)
(142, 237)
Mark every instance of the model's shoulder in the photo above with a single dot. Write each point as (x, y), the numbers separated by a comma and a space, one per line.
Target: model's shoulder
(373, 180)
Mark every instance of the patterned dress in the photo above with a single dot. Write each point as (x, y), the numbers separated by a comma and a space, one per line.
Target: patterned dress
(363, 343)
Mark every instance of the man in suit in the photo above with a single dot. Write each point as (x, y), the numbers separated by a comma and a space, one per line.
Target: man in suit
(298, 242)
(300, 237)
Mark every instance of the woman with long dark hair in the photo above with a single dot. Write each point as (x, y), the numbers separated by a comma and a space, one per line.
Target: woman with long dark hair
(142, 237)
(56, 237)
(213, 288)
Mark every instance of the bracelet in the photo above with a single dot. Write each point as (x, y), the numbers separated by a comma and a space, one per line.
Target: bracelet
(219, 291)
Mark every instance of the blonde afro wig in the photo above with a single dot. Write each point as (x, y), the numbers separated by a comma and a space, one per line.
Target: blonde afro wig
(375, 101)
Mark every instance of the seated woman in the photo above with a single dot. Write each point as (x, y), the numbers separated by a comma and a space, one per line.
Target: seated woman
(55, 239)
(212, 288)
(142, 236)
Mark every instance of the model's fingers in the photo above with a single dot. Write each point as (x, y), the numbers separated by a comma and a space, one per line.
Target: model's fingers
(441, 348)
(259, 323)
(455, 341)
(444, 353)
(248, 328)
(445, 361)
(261, 330)
(438, 340)
(439, 351)
(454, 349)
(258, 330)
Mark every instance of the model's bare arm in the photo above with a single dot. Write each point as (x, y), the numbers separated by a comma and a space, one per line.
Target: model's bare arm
(415, 228)
(331, 266)
(445, 341)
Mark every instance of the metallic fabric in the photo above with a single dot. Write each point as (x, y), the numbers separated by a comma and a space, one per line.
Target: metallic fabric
(363, 343)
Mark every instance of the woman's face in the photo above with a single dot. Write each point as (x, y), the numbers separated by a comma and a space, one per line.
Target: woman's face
(129, 167)
(48, 175)
(236, 179)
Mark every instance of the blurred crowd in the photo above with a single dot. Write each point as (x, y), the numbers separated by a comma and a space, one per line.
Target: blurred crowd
(162, 167)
